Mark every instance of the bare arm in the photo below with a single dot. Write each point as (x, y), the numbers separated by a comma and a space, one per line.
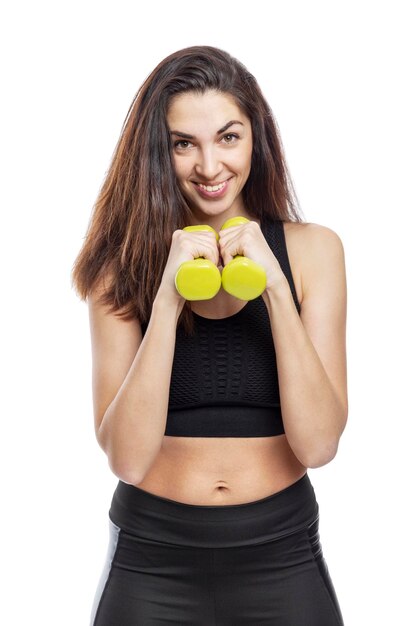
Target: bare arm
(311, 349)
(131, 378)
(131, 373)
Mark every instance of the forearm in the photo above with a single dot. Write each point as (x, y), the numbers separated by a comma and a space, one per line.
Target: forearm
(313, 416)
(133, 426)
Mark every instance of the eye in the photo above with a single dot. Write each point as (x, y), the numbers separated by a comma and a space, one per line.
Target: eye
(177, 143)
(231, 135)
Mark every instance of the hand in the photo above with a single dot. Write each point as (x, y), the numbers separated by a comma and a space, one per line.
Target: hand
(248, 240)
(186, 246)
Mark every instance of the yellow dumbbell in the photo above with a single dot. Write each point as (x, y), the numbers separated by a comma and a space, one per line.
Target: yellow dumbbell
(199, 279)
(241, 277)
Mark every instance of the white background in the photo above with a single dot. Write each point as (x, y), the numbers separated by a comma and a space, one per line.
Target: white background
(340, 77)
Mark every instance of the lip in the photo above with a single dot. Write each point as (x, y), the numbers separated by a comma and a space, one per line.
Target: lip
(213, 194)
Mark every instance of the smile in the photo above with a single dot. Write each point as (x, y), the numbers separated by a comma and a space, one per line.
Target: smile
(212, 191)
(212, 188)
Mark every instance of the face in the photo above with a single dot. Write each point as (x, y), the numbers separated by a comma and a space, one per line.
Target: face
(211, 142)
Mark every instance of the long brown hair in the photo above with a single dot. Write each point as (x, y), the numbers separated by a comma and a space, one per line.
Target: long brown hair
(140, 205)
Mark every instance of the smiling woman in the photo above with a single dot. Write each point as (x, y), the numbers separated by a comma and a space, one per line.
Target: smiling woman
(210, 415)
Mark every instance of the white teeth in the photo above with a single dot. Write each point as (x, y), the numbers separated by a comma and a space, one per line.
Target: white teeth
(209, 188)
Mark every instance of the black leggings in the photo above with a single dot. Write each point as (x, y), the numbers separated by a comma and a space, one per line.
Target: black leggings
(258, 563)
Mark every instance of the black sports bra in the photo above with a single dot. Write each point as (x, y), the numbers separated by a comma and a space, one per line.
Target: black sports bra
(224, 380)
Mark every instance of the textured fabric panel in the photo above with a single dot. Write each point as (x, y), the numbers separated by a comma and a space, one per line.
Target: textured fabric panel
(261, 376)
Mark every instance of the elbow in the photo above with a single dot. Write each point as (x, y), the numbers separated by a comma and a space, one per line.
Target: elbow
(125, 473)
(117, 461)
(120, 468)
(130, 466)
(318, 458)
(324, 448)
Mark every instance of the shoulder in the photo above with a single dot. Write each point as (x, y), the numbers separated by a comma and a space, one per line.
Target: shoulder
(311, 233)
(311, 249)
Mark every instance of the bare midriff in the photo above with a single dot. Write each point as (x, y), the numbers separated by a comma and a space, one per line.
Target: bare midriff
(222, 470)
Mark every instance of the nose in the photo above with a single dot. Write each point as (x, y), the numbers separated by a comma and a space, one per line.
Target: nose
(208, 165)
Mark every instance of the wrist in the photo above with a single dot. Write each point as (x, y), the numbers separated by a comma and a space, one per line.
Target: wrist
(278, 293)
(167, 303)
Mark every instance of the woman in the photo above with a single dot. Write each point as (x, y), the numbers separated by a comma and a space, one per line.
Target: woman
(211, 411)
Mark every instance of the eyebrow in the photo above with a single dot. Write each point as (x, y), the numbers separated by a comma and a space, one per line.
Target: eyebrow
(221, 130)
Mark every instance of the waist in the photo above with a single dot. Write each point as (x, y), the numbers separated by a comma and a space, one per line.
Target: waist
(155, 518)
(225, 421)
